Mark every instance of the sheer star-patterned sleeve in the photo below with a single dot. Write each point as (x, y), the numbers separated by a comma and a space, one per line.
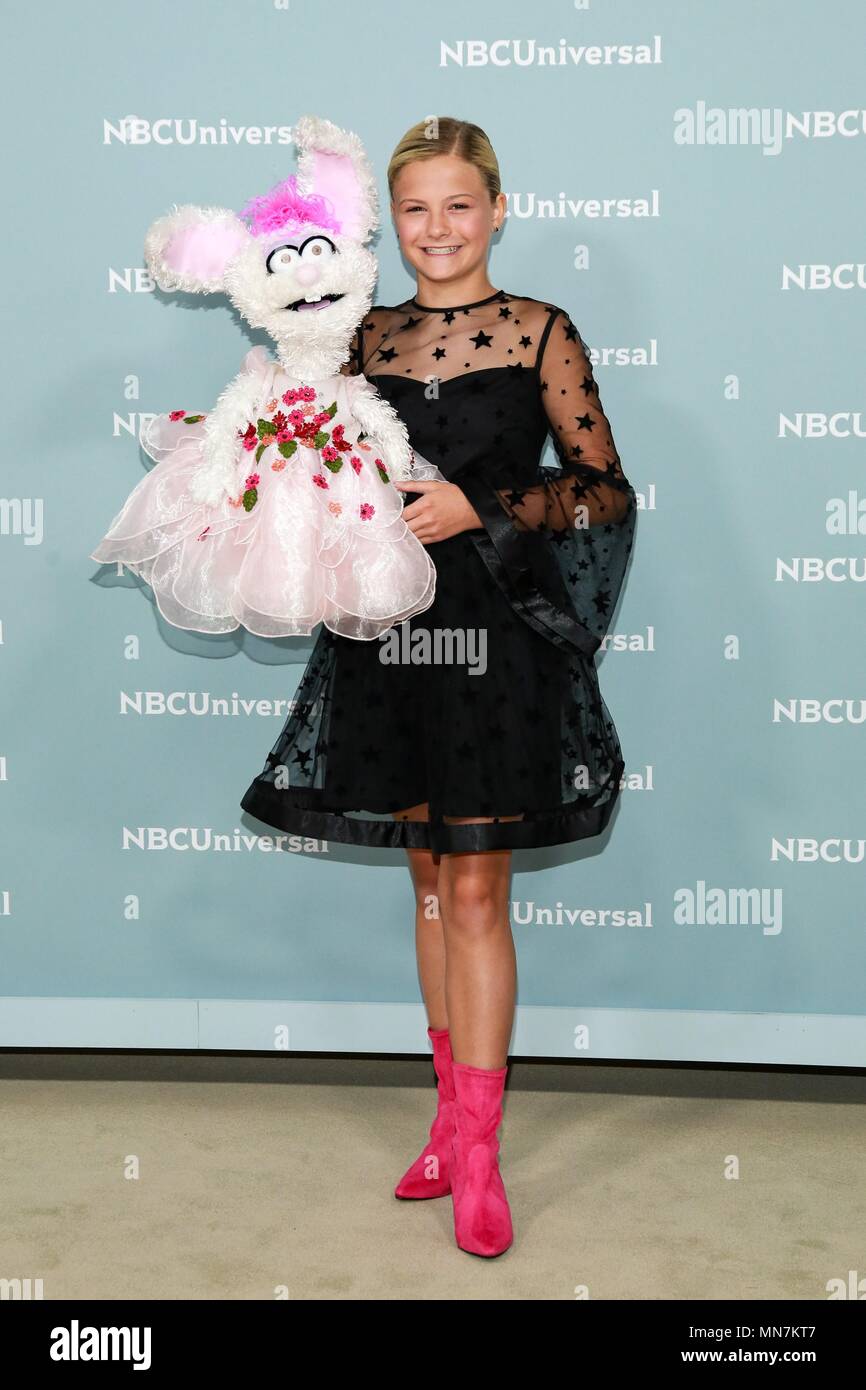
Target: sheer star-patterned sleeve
(563, 542)
(353, 366)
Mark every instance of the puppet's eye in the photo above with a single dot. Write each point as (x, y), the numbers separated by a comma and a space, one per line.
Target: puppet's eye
(282, 258)
(318, 248)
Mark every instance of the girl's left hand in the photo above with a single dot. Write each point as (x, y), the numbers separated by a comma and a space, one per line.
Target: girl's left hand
(443, 511)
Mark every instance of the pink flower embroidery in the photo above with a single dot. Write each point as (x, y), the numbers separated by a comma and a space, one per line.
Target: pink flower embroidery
(320, 480)
(176, 414)
(335, 507)
(298, 393)
(278, 465)
(283, 435)
(356, 463)
(271, 405)
(329, 453)
(252, 480)
(337, 438)
(366, 511)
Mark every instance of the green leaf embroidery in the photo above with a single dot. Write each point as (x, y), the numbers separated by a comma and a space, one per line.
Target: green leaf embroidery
(320, 439)
(381, 471)
(192, 419)
(287, 447)
(260, 450)
(250, 498)
(334, 464)
(331, 410)
(265, 427)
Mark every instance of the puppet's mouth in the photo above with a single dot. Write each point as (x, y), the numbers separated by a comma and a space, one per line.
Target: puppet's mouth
(321, 303)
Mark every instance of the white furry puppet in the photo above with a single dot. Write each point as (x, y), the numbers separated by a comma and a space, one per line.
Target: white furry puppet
(275, 510)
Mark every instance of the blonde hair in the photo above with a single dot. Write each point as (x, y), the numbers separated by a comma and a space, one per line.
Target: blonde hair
(447, 135)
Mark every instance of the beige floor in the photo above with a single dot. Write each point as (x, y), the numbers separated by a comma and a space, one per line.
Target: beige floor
(261, 1173)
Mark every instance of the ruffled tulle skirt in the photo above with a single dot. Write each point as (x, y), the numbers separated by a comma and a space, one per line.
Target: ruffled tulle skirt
(301, 544)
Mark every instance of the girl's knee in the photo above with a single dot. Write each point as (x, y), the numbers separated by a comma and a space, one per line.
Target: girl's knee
(473, 897)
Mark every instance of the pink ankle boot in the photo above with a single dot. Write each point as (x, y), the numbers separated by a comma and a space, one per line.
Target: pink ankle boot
(430, 1174)
(482, 1218)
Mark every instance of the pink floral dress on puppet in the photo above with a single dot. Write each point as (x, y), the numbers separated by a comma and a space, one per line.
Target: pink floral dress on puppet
(315, 532)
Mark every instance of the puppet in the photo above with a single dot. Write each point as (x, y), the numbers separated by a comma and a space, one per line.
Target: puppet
(275, 510)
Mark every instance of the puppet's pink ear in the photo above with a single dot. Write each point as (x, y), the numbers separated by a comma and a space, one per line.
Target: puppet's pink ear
(332, 162)
(190, 248)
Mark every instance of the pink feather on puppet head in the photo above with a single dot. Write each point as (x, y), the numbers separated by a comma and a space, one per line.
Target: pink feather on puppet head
(192, 247)
(284, 208)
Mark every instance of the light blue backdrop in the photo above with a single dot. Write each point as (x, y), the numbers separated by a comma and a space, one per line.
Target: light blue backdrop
(720, 397)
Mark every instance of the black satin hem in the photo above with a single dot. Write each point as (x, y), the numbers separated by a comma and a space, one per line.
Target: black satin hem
(300, 811)
(525, 571)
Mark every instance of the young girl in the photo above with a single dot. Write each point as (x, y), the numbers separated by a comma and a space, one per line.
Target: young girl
(479, 727)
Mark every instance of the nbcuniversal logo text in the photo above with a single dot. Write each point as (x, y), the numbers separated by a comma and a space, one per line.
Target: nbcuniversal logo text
(816, 424)
(813, 569)
(203, 839)
(199, 703)
(847, 275)
(802, 850)
(187, 130)
(803, 711)
(530, 53)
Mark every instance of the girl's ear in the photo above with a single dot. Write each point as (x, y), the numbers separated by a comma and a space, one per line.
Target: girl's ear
(190, 247)
(332, 163)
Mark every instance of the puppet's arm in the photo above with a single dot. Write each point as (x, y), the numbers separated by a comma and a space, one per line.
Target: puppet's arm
(379, 419)
(218, 475)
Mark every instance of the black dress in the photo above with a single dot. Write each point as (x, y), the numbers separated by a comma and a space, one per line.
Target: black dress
(500, 714)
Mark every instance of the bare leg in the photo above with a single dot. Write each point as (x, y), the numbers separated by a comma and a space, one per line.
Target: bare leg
(481, 967)
(466, 959)
(429, 937)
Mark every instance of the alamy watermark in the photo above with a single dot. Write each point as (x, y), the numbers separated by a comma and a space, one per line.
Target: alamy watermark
(435, 646)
